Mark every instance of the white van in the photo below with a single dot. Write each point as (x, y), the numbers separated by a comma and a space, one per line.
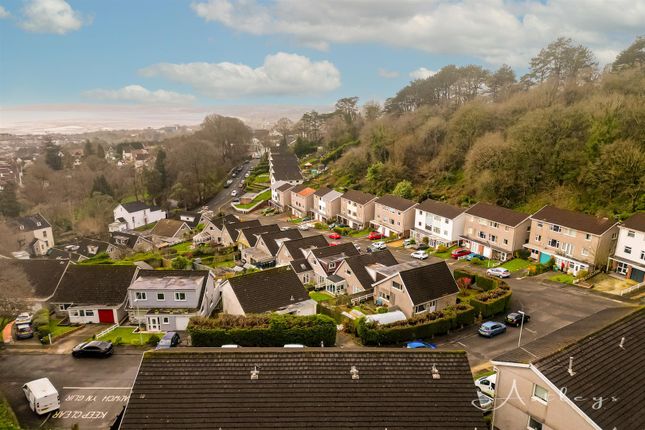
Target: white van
(42, 396)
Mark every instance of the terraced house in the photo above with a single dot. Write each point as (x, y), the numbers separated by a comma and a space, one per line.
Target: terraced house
(326, 206)
(356, 209)
(302, 200)
(393, 215)
(576, 241)
(442, 224)
(629, 258)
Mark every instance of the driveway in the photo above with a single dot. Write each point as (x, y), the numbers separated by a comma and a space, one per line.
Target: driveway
(92, 391)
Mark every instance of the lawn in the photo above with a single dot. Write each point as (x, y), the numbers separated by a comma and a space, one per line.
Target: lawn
(360, 233)
(8, 419)
(224, 264)
(183, 247)
(445, 254)
(563, 278)
(264, 177)
(320, 297)
(516, 264)
(57, 330)
(266, 195)
(470, 293)
(146, 227)
(127, 336)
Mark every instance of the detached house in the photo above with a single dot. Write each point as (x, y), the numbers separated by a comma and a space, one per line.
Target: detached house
(214, 229)
(393, 216)
(169, 232)
(629, 258)
(263, 254)
(417, 290)
(276, 290)
(192, 219)
(324, 262)
(131, 242)
(134, 215)
(43, 277)
(356, 209)
(248, 237)
(576, 241)
(231, 231)
(165, 300)
(35, 234)
(296, 249)
(326, 206)
(442, 224)
(495, 232)
(359, 272)
(302, 200)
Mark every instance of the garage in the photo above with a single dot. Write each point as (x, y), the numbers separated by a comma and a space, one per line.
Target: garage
(637, 275)
(106, 316)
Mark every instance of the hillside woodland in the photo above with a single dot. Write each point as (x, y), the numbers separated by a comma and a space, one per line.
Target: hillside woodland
(565, 133)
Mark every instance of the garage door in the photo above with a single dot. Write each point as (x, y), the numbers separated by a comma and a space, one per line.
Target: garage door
(637, 275)
(544, 258)
(106, 316)
(181, 323)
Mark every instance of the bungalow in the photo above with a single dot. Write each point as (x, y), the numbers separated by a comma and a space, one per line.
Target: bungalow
(137, 214)
(169, 232)
(576, 241)
(494, 231)
(296, 249)
(439, 223)
(358, 270)
(42, 278)
(393, 215)
(231, 231)
(93, 294)
(629, 258)
(166, 300)
(248, 237)
(326, 205)
(584, 376)
(192, 219)
(356, 209)
(83, 249)
(35, 234)
(324, 262)
(276, 290)
(263, 254)
(214, 229)
(131, 242)
(281, 195)
(303, 269)
(302, 200)
(417, 290)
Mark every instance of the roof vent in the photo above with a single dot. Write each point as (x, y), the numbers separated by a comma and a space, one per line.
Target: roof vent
(570, 369)
(292, 299)
(255, 373)
(354, 372)
(435, 372)
(622, 342)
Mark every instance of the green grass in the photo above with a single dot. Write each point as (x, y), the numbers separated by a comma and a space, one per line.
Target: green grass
(516, 264)
(266, 195)
(264, 178)
(320, 297)
(470, 293)
(145, 227)
(57, 330)
(445, 254)
(224, 264)
(183, 247)
(127, 336)
(360, 233)
(8, 420)
(563, 278)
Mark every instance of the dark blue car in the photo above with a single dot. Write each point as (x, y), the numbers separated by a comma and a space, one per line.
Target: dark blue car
(475, 255)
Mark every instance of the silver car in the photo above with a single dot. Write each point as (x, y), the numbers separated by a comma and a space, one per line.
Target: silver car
(499, 272)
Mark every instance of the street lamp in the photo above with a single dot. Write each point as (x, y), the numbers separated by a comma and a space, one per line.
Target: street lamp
(521, 327)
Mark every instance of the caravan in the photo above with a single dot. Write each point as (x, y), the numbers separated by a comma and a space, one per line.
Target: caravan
(42, 396)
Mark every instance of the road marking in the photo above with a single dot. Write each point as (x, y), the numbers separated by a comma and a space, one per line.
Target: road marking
(462, 344)
(532, 331)
(97, 388)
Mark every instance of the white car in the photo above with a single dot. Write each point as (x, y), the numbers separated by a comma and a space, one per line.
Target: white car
(233, 193)
(303, 227)
(24, 318)
(487, 384)
(421, 255)
(499, 272)
(247, 175)
(379, 245)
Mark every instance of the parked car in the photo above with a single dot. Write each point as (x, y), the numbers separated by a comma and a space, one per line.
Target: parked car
(499, 272)
(421, 255)
(169, 340)
(24, 331)
(24, 318)
(241, 185)
(307, 218)
(515, 319)
(486, 384)
(374, 235)
(95, 348)
(334, 235)
(41, 395)
(420, 344)
(334, 243)
(236, 201)
(475, 255)
(459, 252)
(234, 193)
(379, 245)
(421, 246)
(303, 227)
(491, 328)
(485, 402)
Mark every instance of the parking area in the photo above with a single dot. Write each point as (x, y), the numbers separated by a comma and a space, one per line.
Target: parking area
(92, 391)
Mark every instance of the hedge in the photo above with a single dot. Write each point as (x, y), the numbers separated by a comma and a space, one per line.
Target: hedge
(492, 302)
(458, 274)
(333, 313)
(486, 283)
(263, 330)
(40, 322)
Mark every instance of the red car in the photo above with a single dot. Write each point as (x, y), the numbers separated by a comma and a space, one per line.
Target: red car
(334, 236)
(459, 252)
(374, 235)
(334, 244)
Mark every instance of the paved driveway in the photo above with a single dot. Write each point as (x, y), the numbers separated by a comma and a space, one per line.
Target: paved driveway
(92, 391)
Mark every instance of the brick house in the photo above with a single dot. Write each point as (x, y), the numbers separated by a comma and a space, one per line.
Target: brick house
(356, 209)
(393, 215)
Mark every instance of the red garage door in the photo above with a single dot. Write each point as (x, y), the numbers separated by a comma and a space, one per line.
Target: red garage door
(106, 316)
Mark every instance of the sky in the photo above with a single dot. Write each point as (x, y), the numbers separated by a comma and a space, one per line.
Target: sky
(119, 57)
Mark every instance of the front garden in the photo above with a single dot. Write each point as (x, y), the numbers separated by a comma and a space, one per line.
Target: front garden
(126, 335)
(261, 197)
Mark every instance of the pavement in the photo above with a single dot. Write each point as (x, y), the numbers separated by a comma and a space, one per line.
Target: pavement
(221, 201)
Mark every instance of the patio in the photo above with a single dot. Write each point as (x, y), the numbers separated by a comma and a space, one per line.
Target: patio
(611, 284)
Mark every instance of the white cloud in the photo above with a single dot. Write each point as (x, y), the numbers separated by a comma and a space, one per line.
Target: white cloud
(421, 73)
(139, 94)
(51, 16)
(4, 13)
(496, 31)
(388, 74)
(280, 74)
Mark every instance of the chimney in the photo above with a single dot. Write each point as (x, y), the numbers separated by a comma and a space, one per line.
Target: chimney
(622, 342)
(354, 372)
(255, 373)
(570, 369)
(435, 372)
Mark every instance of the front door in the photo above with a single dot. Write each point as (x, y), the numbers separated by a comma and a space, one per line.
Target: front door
(153, 323)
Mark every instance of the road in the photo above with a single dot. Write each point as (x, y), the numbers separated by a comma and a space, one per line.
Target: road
(222, 198)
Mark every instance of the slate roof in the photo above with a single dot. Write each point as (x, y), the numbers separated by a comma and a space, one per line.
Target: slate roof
(96, 285)
(601, 367)
(284, 187)
(223, 220)
(358, 196)
(322, 191)
(429, 282)
(297, 188)
(317, 241)
(286, 168)
(347, 249)
(440, 208)
(252, 233)
(635, 222)
(43, 275)
(132, 207)
(211, 388)
(497, 213)
(32, 222)
(271, 240)
(396, 202)
(167, 227)
(268, 290)
(358, 263)
(232, 227)
(131, 239)
(300, 265)
(196, 216)
(575, 220)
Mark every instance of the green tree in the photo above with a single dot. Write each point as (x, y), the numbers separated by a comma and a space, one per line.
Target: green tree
(562, 61)
(634, 56)
(100, 152)
(404, 189)
(500, 81)
(88, 149)
(102, 186)
(53, 155)
(9, 205)
(180, 263)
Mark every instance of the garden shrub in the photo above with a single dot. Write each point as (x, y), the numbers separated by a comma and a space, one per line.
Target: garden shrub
(581, 274)
(421, 327)
(153, 340)
(320, 226)
(486, 283)
(462, 274)
(442, 248)
(522, 253)
(491, 302)
(180, 263)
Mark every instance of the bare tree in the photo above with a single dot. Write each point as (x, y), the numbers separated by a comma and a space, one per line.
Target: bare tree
(15, 289)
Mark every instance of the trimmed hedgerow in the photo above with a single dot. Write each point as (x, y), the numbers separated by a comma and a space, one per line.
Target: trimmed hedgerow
(492, 302)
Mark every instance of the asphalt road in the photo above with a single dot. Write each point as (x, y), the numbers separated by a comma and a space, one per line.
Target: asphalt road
(92, 391)
(221, 200)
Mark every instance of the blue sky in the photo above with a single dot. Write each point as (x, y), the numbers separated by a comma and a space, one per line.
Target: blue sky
(213, 52)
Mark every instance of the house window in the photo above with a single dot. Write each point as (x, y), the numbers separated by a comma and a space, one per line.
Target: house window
(349, 272)
(436, 230)
(585, 252)
(332, 265)
(397, 286)
(482, 235)
(587, 236)
(538, 237)
(556, 228)
(62, 307)
(539, 224)
(493, 224)
(45, 233)
(642, 255)
(630, 233)
(505, 241)
(140, 296)
(420, 224)
(74, 313)
(493, 238)
(628, 250)
(534, 424)
(180, 297)
(622, 268)
(89, 313)
(165, 320)
(554, 243)
(540, 393)
(161, 297)
(384, 296)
